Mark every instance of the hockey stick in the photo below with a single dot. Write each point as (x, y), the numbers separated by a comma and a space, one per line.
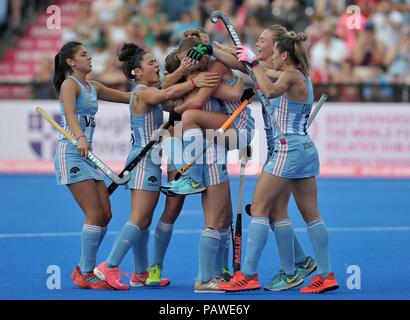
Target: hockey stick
(235, 38)
(245, 155)
(124, 178)
(246, 97)
(312, 117)
(137, 159)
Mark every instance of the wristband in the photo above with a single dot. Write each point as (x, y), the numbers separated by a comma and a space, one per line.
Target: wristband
(193, 83)
(81, 136)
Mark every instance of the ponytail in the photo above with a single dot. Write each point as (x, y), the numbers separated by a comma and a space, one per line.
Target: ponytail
(61, 68)
(131, 56)
(292, 43)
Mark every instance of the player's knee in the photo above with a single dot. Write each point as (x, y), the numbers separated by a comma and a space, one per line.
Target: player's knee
(170, 216)
(188, 117)
(144, 223)
(107, 216)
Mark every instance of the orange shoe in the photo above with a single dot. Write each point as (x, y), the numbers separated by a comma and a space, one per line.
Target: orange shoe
(240, 282)
(75, 273)
(111, 276)
(88, 281)
(140, 279)
(320, 284)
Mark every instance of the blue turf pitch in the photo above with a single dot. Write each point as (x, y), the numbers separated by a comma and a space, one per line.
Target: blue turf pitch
(368, 221)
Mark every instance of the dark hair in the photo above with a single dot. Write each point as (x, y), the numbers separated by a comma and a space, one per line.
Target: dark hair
(292, 43)
(61, 68)
(130, 55)
(172, 61)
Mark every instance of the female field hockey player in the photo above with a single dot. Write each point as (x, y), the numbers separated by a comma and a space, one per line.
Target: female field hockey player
(198, 113)
(291, 261)
(146, 116)
(294, 163)
(173, 207)
(78, 101)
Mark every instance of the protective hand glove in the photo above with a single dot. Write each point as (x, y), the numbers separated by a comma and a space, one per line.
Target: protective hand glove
(246, 55)
(196, 53)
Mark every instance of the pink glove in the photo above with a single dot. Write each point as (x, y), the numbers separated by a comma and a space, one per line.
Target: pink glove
(246, 55)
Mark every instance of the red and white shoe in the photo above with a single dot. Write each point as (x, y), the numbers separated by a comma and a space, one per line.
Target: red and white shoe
(111, 276)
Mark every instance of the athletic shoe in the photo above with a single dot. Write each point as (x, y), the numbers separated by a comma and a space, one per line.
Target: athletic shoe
(320, 284)
(283, 282)
(185, 185)
(154, 277)
(111, 276)
(240, 282)
(306, 268)
(212, 286)
(140, 280)
(226, 275)
(88, 281)
(75, 273)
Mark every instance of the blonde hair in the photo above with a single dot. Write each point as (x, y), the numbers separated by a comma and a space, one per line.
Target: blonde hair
(292, 42)
(277, 31)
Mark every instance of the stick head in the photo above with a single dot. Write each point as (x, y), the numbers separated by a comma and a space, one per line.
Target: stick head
(215, 15)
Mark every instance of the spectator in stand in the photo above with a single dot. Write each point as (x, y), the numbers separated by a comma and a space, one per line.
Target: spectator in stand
(161, 49)
(327, 54)
(118, 29)
(398, 58)
(368, 51)
(107, 10)
(85, 27)
(113, 76)
(174, 8)
(289, 13)
(387, 24)
(346, 76)
(43, 85)
(154, 21)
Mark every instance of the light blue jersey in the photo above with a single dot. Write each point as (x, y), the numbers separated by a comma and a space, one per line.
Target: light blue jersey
(298, 158)
(243, 123)
(147, 174)
(69, 165)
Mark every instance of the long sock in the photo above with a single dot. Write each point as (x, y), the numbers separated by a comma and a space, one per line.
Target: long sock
(126, 239)
(300, 255)
(193, 141)
(225, 260)
(163, 233)
(140, 252)
(173, 148)
(257, 236)
(320, 241)
(103, 233)
(220, 262)
(90, 237)
(285, 242)
(208, 250)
